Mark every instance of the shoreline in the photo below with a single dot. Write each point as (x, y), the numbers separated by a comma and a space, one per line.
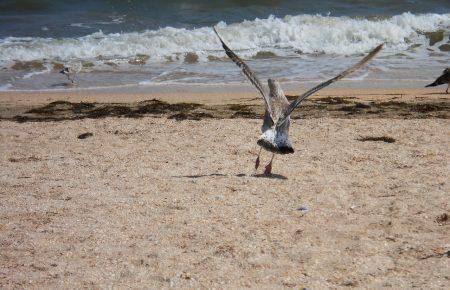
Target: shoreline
(205, 93)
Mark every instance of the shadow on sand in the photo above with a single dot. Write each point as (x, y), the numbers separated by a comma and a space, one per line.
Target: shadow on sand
(436, 93)
(200, 175)
(271, 176)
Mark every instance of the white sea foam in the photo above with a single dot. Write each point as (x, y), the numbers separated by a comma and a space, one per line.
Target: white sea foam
(80, 25)
(358, 77)
(33, 73)
(117, 19)
(288, 36)
(5, 87)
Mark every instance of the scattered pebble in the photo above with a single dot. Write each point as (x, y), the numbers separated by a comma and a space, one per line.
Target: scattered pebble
(85, 135)
(442, 219)
(303, 209)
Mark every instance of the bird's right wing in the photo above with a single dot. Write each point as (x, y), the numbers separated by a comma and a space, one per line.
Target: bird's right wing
(297, 102)
(247, 72)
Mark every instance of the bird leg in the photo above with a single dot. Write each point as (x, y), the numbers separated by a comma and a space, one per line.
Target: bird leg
(70, 78)
(268, 170)
(257, 159)
(448, 86)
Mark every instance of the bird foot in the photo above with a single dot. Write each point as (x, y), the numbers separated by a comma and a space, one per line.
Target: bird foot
(257, 163)
(268, 170)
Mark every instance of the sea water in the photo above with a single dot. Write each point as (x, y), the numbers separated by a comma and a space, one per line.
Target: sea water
(145, 43)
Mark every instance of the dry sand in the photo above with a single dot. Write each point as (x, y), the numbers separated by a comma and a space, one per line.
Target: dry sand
(152, 202)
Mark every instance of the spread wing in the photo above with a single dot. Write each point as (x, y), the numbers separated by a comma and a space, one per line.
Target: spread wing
(294, 104)
(247, 72)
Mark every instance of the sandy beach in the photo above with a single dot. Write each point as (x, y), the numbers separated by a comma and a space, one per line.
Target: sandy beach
(163, 194)
(128, 141)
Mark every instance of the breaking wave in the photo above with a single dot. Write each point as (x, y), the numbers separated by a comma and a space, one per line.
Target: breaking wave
(283, 37)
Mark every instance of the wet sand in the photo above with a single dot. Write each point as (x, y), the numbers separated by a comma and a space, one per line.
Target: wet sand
(162, 194)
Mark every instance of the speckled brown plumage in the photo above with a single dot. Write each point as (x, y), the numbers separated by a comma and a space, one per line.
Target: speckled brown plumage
(276, 122)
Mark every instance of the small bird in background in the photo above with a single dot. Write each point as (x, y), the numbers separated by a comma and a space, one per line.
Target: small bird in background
(442, 80)
(69, 73)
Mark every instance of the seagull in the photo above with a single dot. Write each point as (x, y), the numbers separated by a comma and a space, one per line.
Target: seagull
(69, 73)
(276, 122)
(443, 79)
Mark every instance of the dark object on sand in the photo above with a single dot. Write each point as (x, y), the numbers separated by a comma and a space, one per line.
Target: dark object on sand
(303, 209)
(69, 73)
(442, 219)
(277, 117)
(85, 135)
(442, 80)
(378, 139)
(190, 116)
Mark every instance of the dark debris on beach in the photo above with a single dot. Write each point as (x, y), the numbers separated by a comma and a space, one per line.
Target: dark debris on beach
(329, 106)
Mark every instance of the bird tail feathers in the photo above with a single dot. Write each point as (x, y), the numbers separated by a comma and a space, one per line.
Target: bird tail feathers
(432, 85)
